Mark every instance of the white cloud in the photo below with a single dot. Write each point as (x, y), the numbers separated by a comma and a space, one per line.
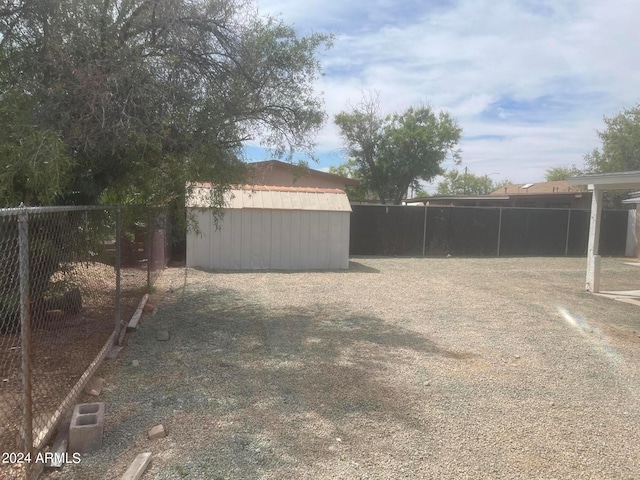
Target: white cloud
(528, 80)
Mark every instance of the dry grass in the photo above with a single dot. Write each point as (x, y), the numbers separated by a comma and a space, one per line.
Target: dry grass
(398, 368)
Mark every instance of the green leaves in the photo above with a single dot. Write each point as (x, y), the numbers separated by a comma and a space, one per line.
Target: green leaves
(554, 174)
(34, 164)
(144, 95)
(620, 144)
(465, 183)
(394, 153)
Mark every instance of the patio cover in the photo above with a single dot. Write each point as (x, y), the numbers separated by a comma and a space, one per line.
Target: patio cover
(598, 183)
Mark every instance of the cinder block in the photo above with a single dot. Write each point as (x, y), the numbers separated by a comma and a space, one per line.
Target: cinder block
(87, 426)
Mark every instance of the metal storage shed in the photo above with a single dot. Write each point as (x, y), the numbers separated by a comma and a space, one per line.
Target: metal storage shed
(271, 227)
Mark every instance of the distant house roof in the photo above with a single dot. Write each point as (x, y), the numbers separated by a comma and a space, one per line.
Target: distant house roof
(275, 172)
(539, 195)
(443, 199)
(274, 198)
(540, 188)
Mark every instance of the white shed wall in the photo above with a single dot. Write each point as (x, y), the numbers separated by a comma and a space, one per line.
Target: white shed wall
(258, 239)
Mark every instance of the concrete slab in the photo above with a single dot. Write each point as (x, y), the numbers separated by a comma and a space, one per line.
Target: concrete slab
(59, 447)
(137, 467)
(133, 323)
(627, 296)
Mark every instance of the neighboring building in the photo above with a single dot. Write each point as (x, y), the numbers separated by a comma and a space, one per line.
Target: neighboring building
(534, 195)
(271, 227)
(275, 172)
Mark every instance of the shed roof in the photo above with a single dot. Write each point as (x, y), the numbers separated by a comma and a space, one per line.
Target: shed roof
(274, 198)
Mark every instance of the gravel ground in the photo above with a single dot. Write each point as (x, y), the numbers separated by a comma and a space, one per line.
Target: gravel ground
(399, 368)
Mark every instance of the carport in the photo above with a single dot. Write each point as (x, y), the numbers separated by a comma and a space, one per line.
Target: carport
(598, 183)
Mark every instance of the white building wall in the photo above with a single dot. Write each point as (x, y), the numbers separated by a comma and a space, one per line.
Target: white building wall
(258, 239)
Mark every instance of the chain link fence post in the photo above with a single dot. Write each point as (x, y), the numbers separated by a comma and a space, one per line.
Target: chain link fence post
(566, 245)
(499, 233)
(25, 328)
(150, 231)
(424, 233)
(118, 265)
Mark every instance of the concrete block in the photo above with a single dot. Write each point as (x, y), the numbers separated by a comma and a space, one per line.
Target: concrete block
(87, 427)
(157, 432)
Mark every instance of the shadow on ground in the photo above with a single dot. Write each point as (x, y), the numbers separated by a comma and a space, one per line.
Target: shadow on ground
(245, 390)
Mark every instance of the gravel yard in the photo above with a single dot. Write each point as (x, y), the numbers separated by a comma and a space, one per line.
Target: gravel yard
(399, 368)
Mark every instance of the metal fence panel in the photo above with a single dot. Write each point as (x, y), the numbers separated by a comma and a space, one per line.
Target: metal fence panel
(533, 232)
(462, 231)
(612, 232)
(480, 231)
(386, 230)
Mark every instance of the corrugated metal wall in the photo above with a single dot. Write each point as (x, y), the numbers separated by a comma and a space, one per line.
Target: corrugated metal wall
(257, 239)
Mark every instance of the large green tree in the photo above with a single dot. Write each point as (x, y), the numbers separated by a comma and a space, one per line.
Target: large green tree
(129, 99)
(350, 169)
(465, 183)
(554, 174)
(620, 144)
(395, 152)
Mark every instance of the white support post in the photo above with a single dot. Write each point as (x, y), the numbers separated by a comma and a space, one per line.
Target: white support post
(629, 251)
(593, 259)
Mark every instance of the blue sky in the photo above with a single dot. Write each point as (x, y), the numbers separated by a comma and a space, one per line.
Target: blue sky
(529, 81)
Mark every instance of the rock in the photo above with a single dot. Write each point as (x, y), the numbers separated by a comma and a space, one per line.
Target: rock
(157, 432)
(135, 363)
(94, 387)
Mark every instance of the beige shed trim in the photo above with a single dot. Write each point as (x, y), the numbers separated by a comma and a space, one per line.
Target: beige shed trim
(275, 198)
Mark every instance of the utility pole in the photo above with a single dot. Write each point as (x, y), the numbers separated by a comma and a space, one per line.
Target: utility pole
(466, 169)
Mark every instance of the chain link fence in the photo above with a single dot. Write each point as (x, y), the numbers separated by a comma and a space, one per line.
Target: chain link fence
(70, 279)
